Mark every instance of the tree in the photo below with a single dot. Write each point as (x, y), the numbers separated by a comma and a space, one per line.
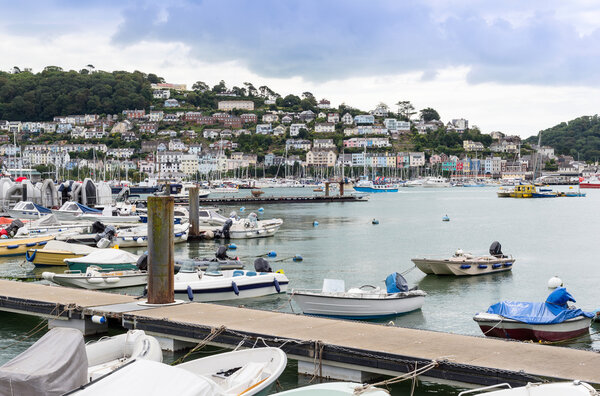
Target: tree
(239, 91)
(291, 101)
(308, 95)
(429, 114)
(405, 109)
(251, 90)
(220, 87)
(200, 86)
(154, 79)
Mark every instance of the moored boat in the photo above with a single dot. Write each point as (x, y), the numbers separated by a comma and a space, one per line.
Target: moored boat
(95, 279)
(28, 210)
(333, 389)
(365, 302)
(54, 253)
(71, 210)
(552, 320)
(106, 259)
(436, 182)
(375, 186)
(574, 388)
(19, 246)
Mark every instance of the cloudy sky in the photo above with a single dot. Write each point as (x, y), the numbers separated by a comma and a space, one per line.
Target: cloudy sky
(512, 65)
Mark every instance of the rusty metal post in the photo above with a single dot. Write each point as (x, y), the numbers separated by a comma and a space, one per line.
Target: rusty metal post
(194, 207)
(326, 189)
(342, 188)
(160, 250)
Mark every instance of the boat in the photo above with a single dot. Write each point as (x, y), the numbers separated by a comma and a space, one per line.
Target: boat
(574, 388)
(552, 320)
(365, 302)
(55, 252)
(49, 225)
(224, 261)
(106, 259)
(94, 278)
(246, 372)
(414, 183)
(215, 284)
(235, 227)
(504, 192)
(19, 246)
(466, 264)
(60, 361)
(374, 186)
(28, 210)
(523, 191)
(108, 216)
(590, 182)
(436, 182)
(71, 210)
(138, 236)
(333, 389)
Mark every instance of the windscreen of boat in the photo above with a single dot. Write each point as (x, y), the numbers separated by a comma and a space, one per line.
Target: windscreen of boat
(187, 265)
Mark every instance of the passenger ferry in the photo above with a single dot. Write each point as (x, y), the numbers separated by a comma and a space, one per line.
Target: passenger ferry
(377, 185)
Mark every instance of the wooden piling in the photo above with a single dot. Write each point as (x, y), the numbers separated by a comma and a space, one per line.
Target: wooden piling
(326, 189)
(194, 207)
(160, 250)
(342, 188)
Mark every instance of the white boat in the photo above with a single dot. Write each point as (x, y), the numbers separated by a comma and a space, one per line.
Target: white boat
(184, 193)
(235, 227)
(106, 259)
(95, 279)
(437, 181)
(365, 302)
(60, 361)
(333, 389)
(109, 215)
(49, 225)
(466, 264)
(247, 372)
(575, 388)
(216, 285)
(70, 211)
(28, 210)
(414, 183)
(138, 236)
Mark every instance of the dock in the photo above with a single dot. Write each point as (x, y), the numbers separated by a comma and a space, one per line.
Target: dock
(285, 199)
(340, 349)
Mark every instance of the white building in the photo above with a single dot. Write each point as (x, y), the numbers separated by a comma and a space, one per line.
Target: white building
(325, 127)
(228, 105)
(295, 129)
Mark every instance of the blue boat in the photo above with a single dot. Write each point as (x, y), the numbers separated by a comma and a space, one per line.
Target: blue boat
(378, 185)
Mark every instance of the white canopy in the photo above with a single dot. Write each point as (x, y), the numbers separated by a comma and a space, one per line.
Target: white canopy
(106, 256)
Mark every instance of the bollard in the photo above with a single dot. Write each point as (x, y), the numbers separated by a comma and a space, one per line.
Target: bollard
(194, 208)
(160, 250)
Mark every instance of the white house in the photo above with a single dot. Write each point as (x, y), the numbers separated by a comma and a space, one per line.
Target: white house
(295, 129)
(264, 129)
(325, 127)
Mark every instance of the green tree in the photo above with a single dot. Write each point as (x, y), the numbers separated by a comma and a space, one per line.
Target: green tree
(429, 114)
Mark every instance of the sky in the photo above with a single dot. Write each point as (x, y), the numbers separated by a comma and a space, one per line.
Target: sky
(514, 66)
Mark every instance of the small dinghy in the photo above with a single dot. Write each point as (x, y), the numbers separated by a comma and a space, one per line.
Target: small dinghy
(55, 252)
(221, 258)
(215, 284)
(467, 264)
(552, 320)
(365, 302)
(60, 361)
(106, 259)
(19, 246)
(333, 389)
(575, 388)
(95, 279)
(248, 372)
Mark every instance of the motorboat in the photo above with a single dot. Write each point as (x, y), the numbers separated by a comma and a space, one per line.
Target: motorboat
(373, 186)
(221, 258)
(106, 259)
(138, 236)
(235, 227)
(49, 225)
(71, 210)
(590, 182)
(180, 214)
(19, 246)
(467, 264)
(246, 372)
(60, 361)
(504, 192)
(110, 215)
(53, 253)
(437, 181)
(215, 284)
(414, 183)
(574, 388)
(94, 278)
(365, 302)
(28, 210)
(333, 389)
(552, 320)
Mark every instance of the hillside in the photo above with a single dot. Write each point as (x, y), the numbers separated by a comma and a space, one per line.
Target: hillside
(36, 97)
(579, 138)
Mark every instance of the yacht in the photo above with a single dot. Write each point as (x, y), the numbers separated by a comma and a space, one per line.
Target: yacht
(438, 182)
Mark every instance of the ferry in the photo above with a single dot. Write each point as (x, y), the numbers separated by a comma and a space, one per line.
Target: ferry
(592, 182)
(374, 186)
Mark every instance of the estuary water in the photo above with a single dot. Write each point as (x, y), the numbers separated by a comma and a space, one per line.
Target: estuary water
(547, 237)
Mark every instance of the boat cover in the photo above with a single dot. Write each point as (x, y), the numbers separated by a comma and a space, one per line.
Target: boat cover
(87, 209)
(41, 209)
(106, 256)
(553, 310)
(396, 283)
(55, 364)
(151, 378)
(45, 221)
(74, 248)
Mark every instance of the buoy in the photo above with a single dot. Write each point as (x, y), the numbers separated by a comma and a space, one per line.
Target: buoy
(190, 293)
(232, 246)
(279, 271)
(140, 240)
(446, 218)
(242, 209)
(98, 319)
(554, 282)
(375, 221)
(297, 258)
(261, 209)
(315, 223)
(272, 253)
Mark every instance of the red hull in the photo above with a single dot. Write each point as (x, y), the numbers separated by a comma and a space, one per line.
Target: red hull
(523, 334)
(589, 185)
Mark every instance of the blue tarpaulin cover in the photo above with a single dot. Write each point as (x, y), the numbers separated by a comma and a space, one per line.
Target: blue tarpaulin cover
(554, 310)
(87, 209)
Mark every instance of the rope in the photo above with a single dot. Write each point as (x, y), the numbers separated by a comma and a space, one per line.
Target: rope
(492, 328)
(214, 332)
(359, 390)
(318, 355)
(288, 301)
(37, 328)
(408, 270)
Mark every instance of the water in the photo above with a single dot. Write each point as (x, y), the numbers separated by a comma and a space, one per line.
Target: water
(547, 236)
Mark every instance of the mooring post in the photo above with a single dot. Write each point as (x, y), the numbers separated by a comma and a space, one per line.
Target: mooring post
(326, 189)
(194, 208)
(160, 250)
(342, 188)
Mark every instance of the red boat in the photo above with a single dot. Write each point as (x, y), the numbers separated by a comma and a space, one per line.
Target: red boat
(592, 182)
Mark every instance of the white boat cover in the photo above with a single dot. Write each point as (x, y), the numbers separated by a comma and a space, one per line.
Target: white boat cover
(69, 247)
(55, 364)
(46, 221)
(106, 256)
(150, 379)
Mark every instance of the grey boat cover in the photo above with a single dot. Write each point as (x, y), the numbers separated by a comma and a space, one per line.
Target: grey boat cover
(55, 364)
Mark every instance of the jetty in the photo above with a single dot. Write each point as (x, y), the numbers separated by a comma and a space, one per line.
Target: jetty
(333, 348)
(285, 199)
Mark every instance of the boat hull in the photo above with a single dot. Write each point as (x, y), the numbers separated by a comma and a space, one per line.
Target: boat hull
(375, 190)
(77, 266)
(222, 289)
(49, 258)
(97, 282)
(496, 326)
(463, 268)
(356, 307)
(18, 247)
(589, 185)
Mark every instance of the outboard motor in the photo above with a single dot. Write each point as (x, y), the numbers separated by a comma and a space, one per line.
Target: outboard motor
(496, 249)
(14, 227)
(262, 265)
(98, 227)
(142, 262)
(104, 238)
(226, 227)
(222, 253)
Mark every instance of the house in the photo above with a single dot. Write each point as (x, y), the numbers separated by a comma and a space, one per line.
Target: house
(171, 103)
(233, 122)
(325, 127)
(226, 133)
(347, 119)
(321, 158)
(371, 142)
(210, 133)
(176, 87)
(149, 127)
(195, 148)
(297, 144)
(458, 125)
(279, 130)
(381, 110)
(189, 164)
(169, 163)
(321, 115)
(176, 145)
(306, 116)
(269, 117)
(286, 119)
(264, 129)
(295, 129)
(206, 120)
(394, 125)
(121, 127)
(333, 118)
(240, 132)
(416, 159)
(221, 117)
(324, 104)
(150, 146)
(134, 114)
(228, 105)
(121, 153)
(249, 118)
(470, 145)
(364, 119)
(129, 136)
(323, 144)
(424, 127)
(161, 94)
(156, 116)
(497, 135)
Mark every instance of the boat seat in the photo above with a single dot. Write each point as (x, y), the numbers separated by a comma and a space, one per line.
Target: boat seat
(250, 273)
(238, 273)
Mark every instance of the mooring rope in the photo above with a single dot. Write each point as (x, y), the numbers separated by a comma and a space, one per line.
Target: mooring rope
(359, 390)
(39, 327)
(214, 332)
